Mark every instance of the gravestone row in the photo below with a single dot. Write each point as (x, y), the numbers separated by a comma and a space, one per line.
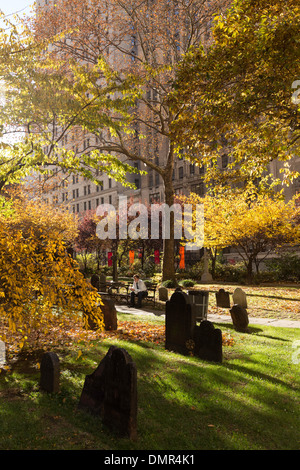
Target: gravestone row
(184, 336)
(238, 311)
(239, 298)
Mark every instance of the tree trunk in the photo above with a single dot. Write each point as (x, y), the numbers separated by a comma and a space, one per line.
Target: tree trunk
(168, 265)
(250, 270)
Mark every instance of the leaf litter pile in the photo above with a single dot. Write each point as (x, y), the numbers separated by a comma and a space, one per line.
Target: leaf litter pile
(140, 331)
(72, 334)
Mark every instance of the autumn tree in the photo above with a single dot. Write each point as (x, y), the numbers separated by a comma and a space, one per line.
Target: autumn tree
(253, 223)
(39, 282)
(120, 59)
(239, 97)
(86, 241)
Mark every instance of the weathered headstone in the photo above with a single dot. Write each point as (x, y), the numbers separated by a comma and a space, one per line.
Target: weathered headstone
(180, 322)
(239, 297)
(240, 318)
(95, 281)
(2, 353)
(223, 299)
(111, 392)
(49, 379)
(110, 314)
(163, 294)
(208, 342)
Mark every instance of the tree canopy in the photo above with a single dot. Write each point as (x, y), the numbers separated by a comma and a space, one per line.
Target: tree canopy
(39, 282)
(239, 96)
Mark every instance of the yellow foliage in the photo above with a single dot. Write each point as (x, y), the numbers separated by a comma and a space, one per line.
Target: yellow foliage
(39, 281)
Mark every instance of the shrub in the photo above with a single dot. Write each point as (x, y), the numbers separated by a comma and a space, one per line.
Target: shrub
(285, 268)
(169, 283)
(187, 283)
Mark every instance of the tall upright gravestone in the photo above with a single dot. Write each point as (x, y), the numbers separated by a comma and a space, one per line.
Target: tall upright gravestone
(180, 322)
(239, 297)
(111, 392)
(223, 299)
(50, 371)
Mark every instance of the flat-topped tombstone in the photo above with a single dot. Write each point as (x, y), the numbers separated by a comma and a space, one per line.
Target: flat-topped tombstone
(223, 299)
(239, 297)
(208, 342)
(2, 353)
(110, 314)
(50, 370)
(111, 392)
(180, 322)
(239, 318)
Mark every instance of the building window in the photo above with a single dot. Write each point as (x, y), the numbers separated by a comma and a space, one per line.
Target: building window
(154, 198)
(180, 172)
(198, 189)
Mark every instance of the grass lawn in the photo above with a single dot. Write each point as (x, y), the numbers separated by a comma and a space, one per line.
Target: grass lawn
(250, 401)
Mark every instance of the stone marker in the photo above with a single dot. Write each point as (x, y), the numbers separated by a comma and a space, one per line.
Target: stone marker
(240, 318)
(49, 380)
(111, 392)
(102, 282)
(208, 342)
(239, 297)
(163, 293)
(2, 353)
(180, 322)
(223, 299)
(110, 314)
(95, 281)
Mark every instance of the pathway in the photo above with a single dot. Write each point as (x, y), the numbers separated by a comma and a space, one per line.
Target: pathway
(214, 317)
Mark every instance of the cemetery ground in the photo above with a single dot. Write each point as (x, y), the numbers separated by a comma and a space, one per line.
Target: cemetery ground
(248, 402)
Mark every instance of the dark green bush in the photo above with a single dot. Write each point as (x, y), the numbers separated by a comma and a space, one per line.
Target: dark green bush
(187, 283)
(169, 283)
(285, 268)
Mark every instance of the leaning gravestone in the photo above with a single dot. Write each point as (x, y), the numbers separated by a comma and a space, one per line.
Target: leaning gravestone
(180, 322)
(163, 294)
(239, 297)
(223, 299)
(49, 380)
(208, 342)
(111, 392)
(240, 318)
(2, 354)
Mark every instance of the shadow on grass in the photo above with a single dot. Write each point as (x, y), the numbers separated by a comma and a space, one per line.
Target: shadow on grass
(184, 403)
